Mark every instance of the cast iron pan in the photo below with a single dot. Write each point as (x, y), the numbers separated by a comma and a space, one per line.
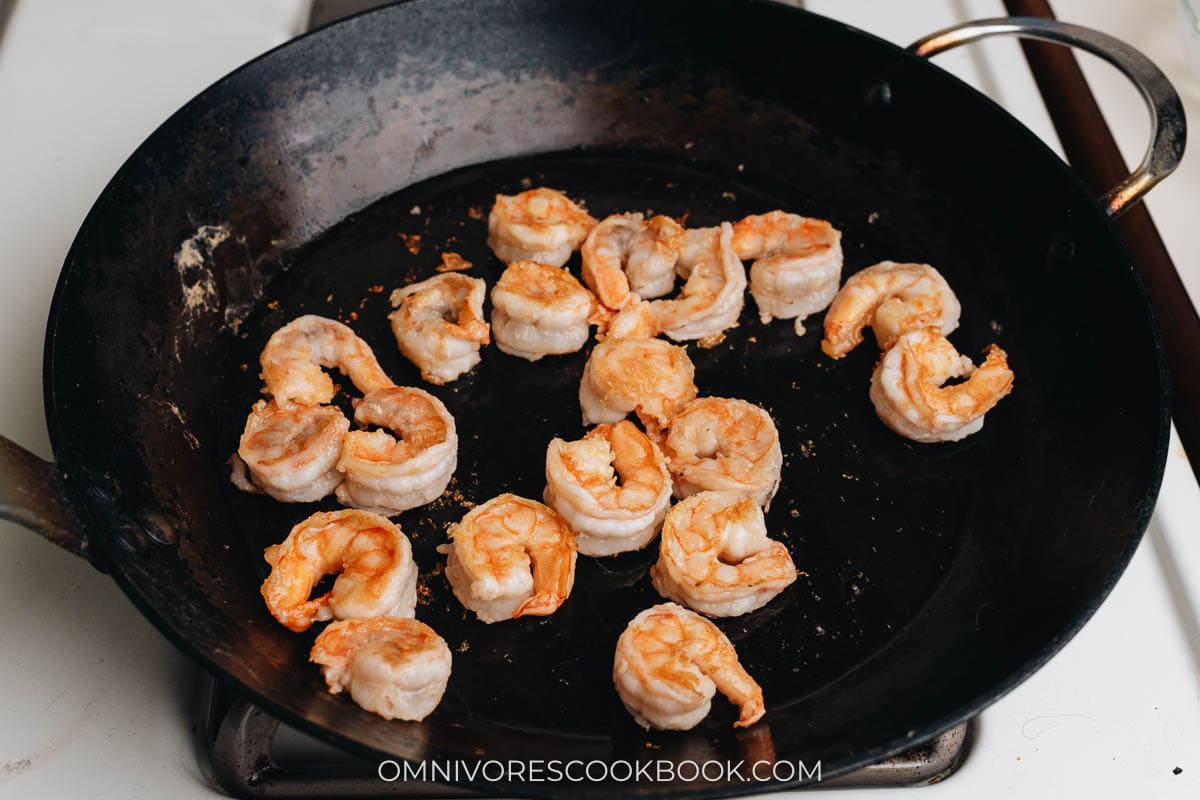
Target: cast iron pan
(935, 578)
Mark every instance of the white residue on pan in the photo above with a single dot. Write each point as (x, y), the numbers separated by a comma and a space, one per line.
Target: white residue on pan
(195, 271)
(236, 313)
(187, 433)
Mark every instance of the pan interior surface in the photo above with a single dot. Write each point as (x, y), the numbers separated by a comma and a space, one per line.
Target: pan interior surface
(335, 169)
(856, 591)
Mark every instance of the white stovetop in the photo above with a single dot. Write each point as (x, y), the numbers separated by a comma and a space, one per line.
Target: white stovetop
(94, 703)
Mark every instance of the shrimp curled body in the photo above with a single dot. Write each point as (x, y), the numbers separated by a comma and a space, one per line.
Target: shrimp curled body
(387, 475)
(909, 396)
(797, 264)
(291, 453)
(712, 297)
(378, 577)
(396, 668)
(539, 310)
(511, 557)
(635, 321)
(439, 325)
(724, 444)
(540, 225)
(649, 376)
(294, 356)
(715, 556)
(669, 663)
(627, 253)
(893, 299)
(581, 484)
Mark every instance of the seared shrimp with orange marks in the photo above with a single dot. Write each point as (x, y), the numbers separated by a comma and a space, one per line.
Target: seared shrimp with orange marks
(539, 310)
(511, 557)
(696, 245)
(635, 321)
(648, 376)
(670, 662)
(439, 325)
(893, 299)
(612, 487)
(910, 397)
(376, 574)
(396, 668)
(291, 453)
(797, 264)
(723, 444)
(294, 356)
(715, 556)
(627, 253)
(540, 225)
(389, 475)
(712, 297)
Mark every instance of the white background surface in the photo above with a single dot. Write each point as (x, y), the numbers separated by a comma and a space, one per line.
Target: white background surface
(93, 703)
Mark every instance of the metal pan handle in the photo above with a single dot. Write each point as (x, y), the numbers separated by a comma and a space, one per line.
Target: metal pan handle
(1168, 126)
(32, 494)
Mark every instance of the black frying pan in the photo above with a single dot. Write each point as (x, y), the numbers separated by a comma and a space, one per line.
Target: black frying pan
(936, 577)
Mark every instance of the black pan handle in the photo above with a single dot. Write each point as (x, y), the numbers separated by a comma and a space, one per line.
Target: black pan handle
(32, 494)
(1168, 125)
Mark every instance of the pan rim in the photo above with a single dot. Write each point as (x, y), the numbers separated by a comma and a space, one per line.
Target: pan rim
(76, 491)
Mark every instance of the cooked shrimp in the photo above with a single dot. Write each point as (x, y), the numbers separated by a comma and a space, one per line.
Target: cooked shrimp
(696, 245)
(582, 484)
(291, 453)
(648, 376)
(626, 252)
(538, 225)
(711, 299)
(893, 299)
(635, 321)
(909, 396)
(539, 310)
(378, 577)
(439, 325)
(724, 445)
(715, 556)
(670, 662)
(294, 355)
(389, 476)
(511, 557)
(797, 264)
(396, 668)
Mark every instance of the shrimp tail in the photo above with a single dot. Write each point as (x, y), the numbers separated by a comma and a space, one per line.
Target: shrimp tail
(735, 683)
(542, 604)
(553, 578)
(752, 710)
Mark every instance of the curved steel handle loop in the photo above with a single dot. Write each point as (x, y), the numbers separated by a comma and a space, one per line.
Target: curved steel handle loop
(1168, 126)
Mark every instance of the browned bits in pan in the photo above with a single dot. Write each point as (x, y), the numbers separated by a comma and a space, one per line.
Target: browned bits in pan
(412, 241)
